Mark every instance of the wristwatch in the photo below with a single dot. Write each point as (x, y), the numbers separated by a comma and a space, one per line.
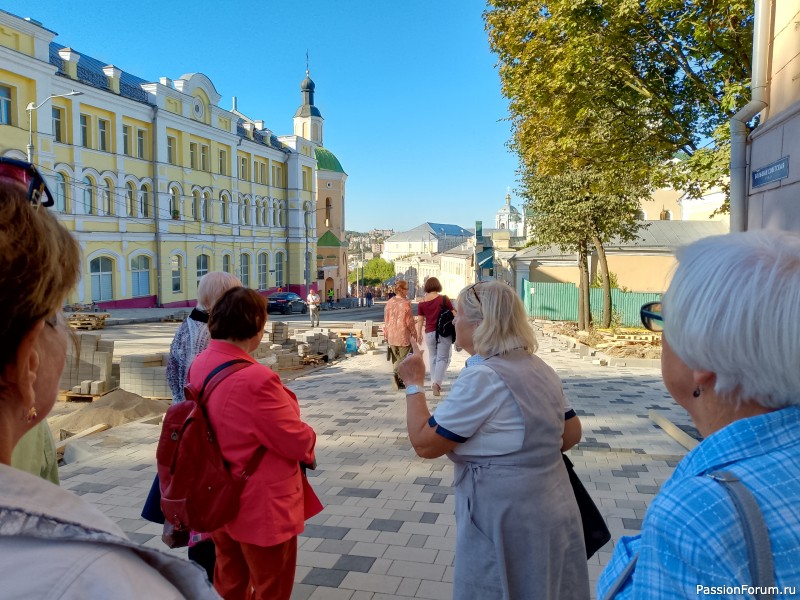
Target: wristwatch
(414, 389)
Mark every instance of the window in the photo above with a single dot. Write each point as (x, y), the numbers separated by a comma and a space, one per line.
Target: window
(244, 218)
(85, 131)
(126, 140)
(223, 162)
(193, 155)
(5, 105)
(262, 168)
(243, 167)
(223, 207)
(107, 199)
(204, 166)
(102, 128)
(61, 192)
(88, 195)
(175, 267)
(140, 143)
(144, 201)
(172, 146)
(328, 211)
(245, 266)
(196, 205)
(262, 271)
(174, 204)
(140, 276)
(202, 266)
(279, 269)
(206, 212)
(305, 180)
(226, 263)
(130, 197)
(58, 123)
(102, 276)
(258, 212)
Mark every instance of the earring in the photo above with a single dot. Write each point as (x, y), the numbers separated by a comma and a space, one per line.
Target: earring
(697, 391)
(32, 414)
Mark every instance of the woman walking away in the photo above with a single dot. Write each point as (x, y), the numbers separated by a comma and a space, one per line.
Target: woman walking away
(731, 323)
(248, 410)
(439, 347)
(52, 542)
(518, 528)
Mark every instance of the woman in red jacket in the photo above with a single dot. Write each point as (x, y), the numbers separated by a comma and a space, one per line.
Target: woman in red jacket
(248, 409)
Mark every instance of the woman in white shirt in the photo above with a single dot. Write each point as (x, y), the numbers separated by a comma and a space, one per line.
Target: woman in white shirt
(518, 528)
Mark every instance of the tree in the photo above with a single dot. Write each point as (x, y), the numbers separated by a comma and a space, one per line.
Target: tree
(376, 271)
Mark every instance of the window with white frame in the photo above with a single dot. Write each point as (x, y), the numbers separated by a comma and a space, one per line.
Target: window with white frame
(61, 192)
(58, 124)
(85, 131)
(103, 131)
(126, 140)
(202, 265)
(262, 271)
(223, 207)
(140, 146)
(5, 105)
(174, 203)
(144, 201)
(204, 164)
(226, 263)
(196, 205)
(130, 198)
(140, 276)
(88, 195)
(172, 150)
(243, 167)
(177, 276)
(279, 269)
(107, 204)
(245, 216)
(223, 162)
(206, 207)
(102, 279)
(244, 266)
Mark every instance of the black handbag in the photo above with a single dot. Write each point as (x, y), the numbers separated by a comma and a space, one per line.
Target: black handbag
(595, 531)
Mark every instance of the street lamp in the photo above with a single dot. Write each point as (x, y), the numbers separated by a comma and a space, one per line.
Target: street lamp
(32, 107)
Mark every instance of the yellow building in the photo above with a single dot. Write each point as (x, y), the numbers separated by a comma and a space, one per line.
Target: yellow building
(159, 183)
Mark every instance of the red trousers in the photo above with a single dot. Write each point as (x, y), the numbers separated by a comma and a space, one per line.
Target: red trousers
(250, 572)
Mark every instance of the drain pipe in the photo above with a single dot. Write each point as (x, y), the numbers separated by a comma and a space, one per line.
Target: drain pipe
(758, 102)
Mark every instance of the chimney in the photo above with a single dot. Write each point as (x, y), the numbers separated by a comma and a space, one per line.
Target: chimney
(113, 74)
(70, 58)
(235, 104)
(166, 81)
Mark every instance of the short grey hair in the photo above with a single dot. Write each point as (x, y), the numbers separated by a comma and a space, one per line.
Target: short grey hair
(502, 321)
(211, 287)
(733, 308)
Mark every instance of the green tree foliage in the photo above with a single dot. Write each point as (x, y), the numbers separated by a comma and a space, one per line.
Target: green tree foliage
(376, 271)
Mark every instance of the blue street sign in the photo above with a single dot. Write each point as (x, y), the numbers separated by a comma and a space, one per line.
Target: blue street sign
(772, 172)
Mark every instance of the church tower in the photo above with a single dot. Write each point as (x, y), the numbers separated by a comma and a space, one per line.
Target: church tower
(308, 119)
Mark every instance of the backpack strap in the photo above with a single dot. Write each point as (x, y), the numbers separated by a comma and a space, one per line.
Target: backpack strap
(756, 534)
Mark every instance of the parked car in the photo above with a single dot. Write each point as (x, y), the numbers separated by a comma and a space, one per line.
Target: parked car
(286, 303)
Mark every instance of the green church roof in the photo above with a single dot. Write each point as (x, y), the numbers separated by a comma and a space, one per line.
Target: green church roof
(328, 240)
(327, 161)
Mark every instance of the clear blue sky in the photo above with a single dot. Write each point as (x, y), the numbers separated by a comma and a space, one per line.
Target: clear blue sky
(409, 91)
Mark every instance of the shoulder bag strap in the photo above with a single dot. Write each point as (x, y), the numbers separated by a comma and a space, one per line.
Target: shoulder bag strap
(623, 577)
(756, 535)
(232, 366)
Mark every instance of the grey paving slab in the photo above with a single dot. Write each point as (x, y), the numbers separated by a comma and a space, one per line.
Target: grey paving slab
(388, 529)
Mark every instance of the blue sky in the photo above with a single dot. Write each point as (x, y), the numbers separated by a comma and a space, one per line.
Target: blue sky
(409, 91)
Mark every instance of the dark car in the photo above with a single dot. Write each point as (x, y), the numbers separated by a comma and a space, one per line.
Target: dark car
(286, 303)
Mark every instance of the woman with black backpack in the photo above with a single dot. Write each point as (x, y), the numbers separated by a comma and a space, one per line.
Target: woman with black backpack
(433, 310)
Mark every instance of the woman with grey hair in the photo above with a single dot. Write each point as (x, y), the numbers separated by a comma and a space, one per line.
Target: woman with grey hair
(192, 335)
(518, 528)
(726, 522)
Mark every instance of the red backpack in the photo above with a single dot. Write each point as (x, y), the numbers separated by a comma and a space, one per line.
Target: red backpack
(198, 491)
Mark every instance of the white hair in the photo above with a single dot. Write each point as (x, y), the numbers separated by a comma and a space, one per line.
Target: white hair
(211, 287)
(733, 308)
(502, 321)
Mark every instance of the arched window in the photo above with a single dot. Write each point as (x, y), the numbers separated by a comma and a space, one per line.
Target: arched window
(264, 214)
(176, 264)
(257, 204)
(328, 212)
(262, 271)
(61, 192)
(88, 195)
(196, 205)
(130, 197)
(226, 263)
(279, 269)
(174, 203)
(244, 276)
(144, 201)
(245, 216)
(223, 208)
(102, 279)
(202, 265)
(140, 276)
(107, 204)
(206, 207)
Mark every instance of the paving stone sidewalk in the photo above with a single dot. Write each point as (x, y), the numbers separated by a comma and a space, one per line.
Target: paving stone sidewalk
(388, 531)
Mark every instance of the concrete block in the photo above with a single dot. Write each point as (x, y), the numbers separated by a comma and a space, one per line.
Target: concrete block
(86, 386)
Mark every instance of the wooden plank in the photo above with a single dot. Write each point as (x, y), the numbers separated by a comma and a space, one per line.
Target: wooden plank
(61, 446)
(672, 430)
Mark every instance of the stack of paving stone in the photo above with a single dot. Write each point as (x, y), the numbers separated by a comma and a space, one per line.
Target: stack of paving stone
(317, 341)
(277, 356)
(276, 332)
(88, 368)
(145, 375)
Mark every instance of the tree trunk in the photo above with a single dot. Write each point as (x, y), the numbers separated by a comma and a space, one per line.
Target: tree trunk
(601, 258)
(584, 302)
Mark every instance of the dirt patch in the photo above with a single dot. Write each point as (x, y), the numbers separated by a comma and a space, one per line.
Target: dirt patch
(600, 339)
(115, 408)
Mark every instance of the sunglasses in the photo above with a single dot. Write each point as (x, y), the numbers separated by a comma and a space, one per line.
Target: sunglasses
(651, 316)
(474, 291)
(29, 177)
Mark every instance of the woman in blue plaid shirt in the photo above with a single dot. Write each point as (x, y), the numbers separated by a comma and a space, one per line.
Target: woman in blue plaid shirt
(731, 322)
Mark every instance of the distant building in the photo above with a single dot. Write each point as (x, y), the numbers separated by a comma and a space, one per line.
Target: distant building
(426, 238)
(510, 218)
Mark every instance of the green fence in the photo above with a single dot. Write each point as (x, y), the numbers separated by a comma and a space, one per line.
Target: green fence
(559, 302)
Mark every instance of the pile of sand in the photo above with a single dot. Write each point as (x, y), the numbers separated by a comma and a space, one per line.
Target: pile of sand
(115, 408)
